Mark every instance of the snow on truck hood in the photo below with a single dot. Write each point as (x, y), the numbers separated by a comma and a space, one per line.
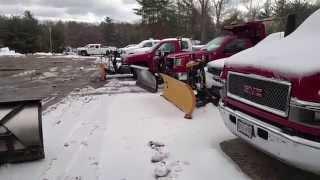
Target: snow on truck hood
(217, 64)
(295, 55)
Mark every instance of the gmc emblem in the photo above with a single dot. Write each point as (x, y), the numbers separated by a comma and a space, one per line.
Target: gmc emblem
(253, 91)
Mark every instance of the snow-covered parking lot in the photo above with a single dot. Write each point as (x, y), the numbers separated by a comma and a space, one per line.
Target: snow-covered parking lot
(108, 137)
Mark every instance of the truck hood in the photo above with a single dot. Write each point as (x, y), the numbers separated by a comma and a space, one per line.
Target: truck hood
(198, 54)
(139, 50)
(295, 55)
(130, 48)
(294, 59)
(81, 48)
(217, 64)
(136, 57)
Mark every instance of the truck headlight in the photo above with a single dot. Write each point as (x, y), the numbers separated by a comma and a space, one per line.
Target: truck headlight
(223, 90)
(177, 62)
(304, 112)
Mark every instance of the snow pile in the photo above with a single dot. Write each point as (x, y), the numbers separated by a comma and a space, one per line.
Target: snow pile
(296, 54)
(43, 54)
(7, 52)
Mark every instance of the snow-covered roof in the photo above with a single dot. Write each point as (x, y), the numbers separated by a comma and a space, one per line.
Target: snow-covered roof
(297, 54)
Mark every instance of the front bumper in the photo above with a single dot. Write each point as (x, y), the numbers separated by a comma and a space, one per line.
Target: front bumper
(299, 152)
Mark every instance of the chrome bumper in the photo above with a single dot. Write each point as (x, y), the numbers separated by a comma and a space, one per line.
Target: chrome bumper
(299, 152)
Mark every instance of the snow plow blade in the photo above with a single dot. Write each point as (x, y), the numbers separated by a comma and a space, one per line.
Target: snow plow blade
(180, 94)
(146, 79)
(21, 131)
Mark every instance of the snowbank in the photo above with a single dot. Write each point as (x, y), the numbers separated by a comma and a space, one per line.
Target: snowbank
(297, 54)
(43, 54)
(7, 52)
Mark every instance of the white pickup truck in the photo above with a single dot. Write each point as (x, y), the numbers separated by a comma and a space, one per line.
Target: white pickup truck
(94, 49)
(141, 47)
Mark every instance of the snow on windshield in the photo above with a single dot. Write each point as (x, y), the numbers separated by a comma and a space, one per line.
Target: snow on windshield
(215, 43)
(297, 54)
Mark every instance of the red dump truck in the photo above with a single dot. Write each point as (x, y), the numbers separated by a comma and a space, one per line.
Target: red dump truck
(271, 96)
(235, 38)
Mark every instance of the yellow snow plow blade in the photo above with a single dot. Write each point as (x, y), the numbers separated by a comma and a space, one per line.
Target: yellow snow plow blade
(180, 94)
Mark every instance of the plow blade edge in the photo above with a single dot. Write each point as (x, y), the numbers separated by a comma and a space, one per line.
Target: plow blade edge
(21, 136)
(146, 79)
(180, 94)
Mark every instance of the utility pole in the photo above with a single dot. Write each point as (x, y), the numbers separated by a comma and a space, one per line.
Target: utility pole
(50, 38)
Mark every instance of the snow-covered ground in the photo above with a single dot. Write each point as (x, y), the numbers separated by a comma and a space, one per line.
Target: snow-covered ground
(7, 52)
(108, 137)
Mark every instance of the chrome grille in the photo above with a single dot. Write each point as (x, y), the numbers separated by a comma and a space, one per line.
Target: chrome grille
(264, 93)
(214, 71)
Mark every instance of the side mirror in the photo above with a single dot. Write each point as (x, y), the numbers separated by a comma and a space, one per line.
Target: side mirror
(166, 53)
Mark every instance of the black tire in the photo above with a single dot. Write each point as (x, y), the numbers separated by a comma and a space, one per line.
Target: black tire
(84, 53)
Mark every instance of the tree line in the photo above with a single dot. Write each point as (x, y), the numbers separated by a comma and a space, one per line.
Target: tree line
(197, 19)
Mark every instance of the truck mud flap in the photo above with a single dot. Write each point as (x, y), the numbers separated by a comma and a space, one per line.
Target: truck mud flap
(21, 136)
(146, 79)
(180, 94)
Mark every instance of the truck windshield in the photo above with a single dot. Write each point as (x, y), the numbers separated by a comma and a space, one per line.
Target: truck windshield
(214, 44)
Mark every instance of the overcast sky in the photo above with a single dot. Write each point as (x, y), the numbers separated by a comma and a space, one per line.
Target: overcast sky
(79, 10)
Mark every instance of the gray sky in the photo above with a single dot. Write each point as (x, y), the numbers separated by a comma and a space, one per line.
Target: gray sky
(79, 10)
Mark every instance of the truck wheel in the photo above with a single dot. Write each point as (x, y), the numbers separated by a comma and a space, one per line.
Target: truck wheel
(134, 73)
(84, 53)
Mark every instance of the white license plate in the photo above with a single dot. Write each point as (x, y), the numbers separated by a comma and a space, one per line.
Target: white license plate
(245, 128)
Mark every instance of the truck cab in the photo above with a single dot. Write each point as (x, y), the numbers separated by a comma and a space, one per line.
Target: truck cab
(154, 58)
(271, 96)
(234, 39)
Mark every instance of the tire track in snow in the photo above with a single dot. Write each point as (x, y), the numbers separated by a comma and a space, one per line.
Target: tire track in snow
(78, 140)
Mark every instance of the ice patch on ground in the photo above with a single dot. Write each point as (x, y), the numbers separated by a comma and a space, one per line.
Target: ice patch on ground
(46, 75)
(25, 73)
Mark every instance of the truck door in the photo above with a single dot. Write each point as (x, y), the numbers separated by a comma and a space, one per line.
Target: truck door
(91, 49)
(97, 50)
(185, 46)
(161, 53)
(235, 46)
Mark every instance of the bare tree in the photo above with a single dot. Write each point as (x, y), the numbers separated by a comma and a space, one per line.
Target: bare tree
(219, 7)
(253, 8)
(204, 11)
